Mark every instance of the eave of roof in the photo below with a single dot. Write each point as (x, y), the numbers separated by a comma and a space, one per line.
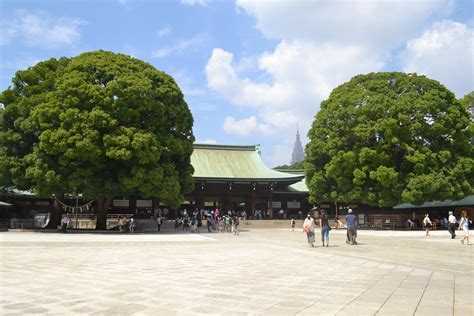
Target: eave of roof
(466, 201)
(298, 187)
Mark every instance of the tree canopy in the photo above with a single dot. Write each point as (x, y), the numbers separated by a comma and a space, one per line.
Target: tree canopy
(387, 138)
(102, 124)
(468, 101)
(295, 166)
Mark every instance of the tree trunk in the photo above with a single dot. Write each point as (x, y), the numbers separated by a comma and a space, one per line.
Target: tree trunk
(103, 204)
(55, 216)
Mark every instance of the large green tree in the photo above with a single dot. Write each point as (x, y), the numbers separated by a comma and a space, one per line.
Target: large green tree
(386, 138)
(101, 124)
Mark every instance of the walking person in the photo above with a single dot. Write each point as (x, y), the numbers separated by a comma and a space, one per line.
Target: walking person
(427, 223)
(235, 224)
(452, 225)
(209, 222)
(199, 223)
(308, 228)
(133, 224)
(64, 223)
(337, 225)
(227, 226)
(351, 223)
(193, 224)
(186, 223)
(159, 221)
(325, 228)
(177, 222)
(120, 224)
(464, 225)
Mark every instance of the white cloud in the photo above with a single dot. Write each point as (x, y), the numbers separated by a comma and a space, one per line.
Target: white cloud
(303, 75)
(244, 126)
(40, 30)
(204, 3)
(373, 23)
(165, 31)
(206, 141)
(445, 53)
(181, 46)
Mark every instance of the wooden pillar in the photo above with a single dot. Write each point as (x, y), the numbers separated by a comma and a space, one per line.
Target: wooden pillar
(254, 187)
(229, 199)
(270, 208)
(201, 197)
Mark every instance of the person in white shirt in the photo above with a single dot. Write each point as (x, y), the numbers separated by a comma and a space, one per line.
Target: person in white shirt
(464, 225)
(308, 228)
(427, 224)
(64, 223)
(452, 225)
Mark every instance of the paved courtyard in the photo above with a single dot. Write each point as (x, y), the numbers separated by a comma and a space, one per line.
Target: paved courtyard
(262, 271)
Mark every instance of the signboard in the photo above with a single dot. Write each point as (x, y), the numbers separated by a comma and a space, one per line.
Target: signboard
(276, 204)
(42, 203)
(361, 219)
(22, 203)
(293, 204)
(324, 205)
(144, 203)
(121, 203)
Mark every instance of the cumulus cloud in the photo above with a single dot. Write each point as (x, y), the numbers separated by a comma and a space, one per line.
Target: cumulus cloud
(374, 23)
(445, 53)
(40, 30)
(303, 75)
(181, 46)
(244, 126)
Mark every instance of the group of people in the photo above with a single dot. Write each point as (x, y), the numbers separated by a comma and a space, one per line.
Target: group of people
(463, 225)
(309, 224)
(215, 222)
(127, 224)
(191, 223)
(351, 224)
(228, 223)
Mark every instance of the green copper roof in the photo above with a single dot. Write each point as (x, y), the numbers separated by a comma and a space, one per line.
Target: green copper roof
(299, 186)
(466, 201)
(222, 162)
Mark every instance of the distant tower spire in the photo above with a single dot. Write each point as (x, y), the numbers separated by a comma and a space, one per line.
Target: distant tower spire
(298, 152)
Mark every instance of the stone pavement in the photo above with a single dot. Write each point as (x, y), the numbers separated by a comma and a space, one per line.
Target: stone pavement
(260, 272)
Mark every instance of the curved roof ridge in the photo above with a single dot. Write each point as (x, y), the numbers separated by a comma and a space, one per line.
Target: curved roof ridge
(226, 147)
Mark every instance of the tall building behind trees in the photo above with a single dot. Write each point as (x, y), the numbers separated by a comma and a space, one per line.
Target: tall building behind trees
(298, 152)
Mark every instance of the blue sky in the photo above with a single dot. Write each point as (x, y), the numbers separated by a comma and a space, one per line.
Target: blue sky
(251, 70)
